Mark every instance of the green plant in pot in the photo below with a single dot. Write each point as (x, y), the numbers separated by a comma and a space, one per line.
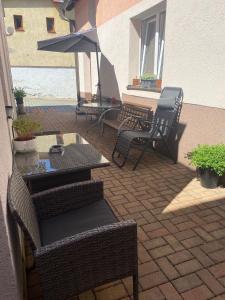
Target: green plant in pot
(25, 129)
(148, 80)
(210, 163)
(19, 94)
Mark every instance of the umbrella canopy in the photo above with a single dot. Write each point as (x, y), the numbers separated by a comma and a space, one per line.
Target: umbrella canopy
(85, 41)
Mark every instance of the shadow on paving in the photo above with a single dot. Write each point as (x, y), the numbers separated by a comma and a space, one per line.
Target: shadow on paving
(180, 224)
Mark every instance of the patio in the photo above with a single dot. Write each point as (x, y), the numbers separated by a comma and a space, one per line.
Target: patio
(181, 225)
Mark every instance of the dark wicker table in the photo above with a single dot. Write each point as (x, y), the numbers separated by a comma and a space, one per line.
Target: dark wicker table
(43, 170)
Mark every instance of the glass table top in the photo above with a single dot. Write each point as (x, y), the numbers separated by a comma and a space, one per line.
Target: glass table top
(77, 154)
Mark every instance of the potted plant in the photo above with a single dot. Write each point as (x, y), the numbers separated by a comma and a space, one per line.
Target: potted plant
(19, 94)
(148, 80)
(25, 140)
(210, 163)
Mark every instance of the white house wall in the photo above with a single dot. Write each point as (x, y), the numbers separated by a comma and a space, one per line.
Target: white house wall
(46, 82)
(194, 51)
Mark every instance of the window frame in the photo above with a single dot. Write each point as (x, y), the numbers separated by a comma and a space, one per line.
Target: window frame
(21, 28)
(158, 51)
(53, 29)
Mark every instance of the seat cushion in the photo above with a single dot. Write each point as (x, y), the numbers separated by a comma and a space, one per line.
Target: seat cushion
(76, 221)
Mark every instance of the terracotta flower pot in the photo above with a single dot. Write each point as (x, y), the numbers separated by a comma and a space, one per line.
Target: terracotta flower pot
(158, 83)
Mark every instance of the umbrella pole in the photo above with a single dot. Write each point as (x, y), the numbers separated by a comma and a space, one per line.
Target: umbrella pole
(99, 83)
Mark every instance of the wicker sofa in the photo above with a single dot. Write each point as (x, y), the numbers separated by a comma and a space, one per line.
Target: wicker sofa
(77, 241)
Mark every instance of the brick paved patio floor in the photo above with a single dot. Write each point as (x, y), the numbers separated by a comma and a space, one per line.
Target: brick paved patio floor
(181, 226)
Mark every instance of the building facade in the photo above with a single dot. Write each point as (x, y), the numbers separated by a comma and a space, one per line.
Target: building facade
(10, 260)
(41, 73)
(182, 42)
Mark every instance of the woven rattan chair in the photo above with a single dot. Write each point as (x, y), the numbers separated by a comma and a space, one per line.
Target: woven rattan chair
(164, 121)
(77, 241)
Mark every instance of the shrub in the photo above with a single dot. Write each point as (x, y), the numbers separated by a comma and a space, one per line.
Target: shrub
(25, 128)
(19, 94)
(209, 157)
(148, 76)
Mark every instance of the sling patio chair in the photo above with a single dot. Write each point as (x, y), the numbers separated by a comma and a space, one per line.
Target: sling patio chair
(164, 121)
(77, 241)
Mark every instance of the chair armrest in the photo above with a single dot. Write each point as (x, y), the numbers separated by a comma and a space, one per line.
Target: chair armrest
(103, 115)
(88, 259)
(65, 198)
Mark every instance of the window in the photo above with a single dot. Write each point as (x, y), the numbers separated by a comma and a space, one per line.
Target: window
(50, 22)
(18, 22)
(152, 44)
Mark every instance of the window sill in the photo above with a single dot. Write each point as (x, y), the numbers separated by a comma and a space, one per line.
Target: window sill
(140, 88)
(51, 31)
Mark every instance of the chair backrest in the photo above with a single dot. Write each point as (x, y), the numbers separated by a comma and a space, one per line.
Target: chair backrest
(22, 208)
(165, 119)
(168, 97)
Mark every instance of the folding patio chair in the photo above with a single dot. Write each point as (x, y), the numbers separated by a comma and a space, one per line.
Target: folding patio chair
(159, 130)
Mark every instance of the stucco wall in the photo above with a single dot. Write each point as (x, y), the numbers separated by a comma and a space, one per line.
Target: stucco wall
(194, 50)
(23, 45)
(10, 285)
(46, 82)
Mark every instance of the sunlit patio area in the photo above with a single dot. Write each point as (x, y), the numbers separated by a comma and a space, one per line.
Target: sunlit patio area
(181, 235)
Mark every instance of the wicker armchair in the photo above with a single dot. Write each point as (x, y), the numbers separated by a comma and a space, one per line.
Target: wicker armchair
(77, 240)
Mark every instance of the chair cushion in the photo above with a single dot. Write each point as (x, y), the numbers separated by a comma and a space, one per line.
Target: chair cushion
(76, 221)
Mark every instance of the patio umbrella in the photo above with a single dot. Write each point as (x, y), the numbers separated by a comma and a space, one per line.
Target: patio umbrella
(85, 41)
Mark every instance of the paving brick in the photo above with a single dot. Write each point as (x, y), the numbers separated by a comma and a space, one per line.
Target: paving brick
(186, 225)
(161, 251)
(220, 297)
(211, 247)
(147, 268)
(154, 243)
(152, 280)
(143, 254)
(180, 257)
(169, 226)
(212, 226)
(152, 294)
(199, 293)
(112, 293)
(218, 234)
(167, 268)
(218, 256)
(169, 292)
(158, 233)
(174, 243)
(185, 234)
(152, 226)
(187, 282)
(192, 242)
(201, 257)
(218, 270)
(203, 234)
(213, 284)
(188, 267)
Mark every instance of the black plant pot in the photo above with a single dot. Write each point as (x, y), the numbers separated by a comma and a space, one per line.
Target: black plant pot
(208, 178)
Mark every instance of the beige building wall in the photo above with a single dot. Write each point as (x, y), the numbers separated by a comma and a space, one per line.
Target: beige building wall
(23, 45)
(10, 276)
(194, 55)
